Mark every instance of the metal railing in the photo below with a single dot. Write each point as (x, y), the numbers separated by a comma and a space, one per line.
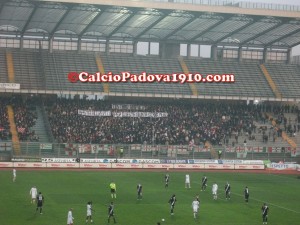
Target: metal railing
(140, 151)
(235, 3)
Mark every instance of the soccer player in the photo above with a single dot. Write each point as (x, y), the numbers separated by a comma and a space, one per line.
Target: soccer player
(113, 189)
(204, 183)
(89, 212)
(172, 202)
(215, 191)
(70, 217)
(33, 193)
(265, 210)
(227, 190)
(139, 188)
(40, 202)
(246, 192)
(111, 212)
(187, 181)
(14, 175)
(195, 206)
(167, 178)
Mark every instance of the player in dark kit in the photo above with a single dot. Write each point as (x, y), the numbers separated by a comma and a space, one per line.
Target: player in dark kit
(227, 190)
(265, 210)
(139, 191)
(167, 178)
(204, 183)
(246, 192)
(40, 201)
(172, 202)
(111, 212)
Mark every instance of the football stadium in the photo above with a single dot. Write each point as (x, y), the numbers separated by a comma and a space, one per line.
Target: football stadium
(149, 112)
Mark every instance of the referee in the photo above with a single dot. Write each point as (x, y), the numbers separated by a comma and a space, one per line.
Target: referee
(113, 189)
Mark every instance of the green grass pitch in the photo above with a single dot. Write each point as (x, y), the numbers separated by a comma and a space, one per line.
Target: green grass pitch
(73, 189)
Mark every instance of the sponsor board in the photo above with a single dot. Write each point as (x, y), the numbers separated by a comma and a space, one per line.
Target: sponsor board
(6, 164)
(163, 161)
(59, 160)
(126, 165)
(26, 160)
(248, 167)
(14, 86)
(146, 161)
(219, 166)
(211, 161)
(62, 165)
(252, 162)
(29, 164)
(88, 165)
(157, 166)
(91, 160)
(282, 166)
(188, 166)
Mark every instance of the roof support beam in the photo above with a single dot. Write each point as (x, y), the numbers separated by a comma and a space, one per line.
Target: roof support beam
(164, 15)
(225, 17)
(133, 13)
(282, 37)
(29, 19)
(93, 21)
(235, 31)
(297, 43)
(60, 21)
(261, 33)
(180, 27)
(2, 5)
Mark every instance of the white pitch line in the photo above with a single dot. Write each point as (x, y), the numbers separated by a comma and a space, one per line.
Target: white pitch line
(278, 206)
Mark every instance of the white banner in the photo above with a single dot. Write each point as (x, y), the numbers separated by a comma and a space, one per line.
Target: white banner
(14, 86)
(128, 107)
(46, 146)
(93, 113)
(140, 114)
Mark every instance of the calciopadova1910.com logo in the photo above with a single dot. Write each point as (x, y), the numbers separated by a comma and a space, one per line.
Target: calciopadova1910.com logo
(144, 77)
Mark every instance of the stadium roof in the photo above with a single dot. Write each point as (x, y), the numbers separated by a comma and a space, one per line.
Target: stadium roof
(125, 20)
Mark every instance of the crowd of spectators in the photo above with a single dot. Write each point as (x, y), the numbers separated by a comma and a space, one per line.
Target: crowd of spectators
(186, 123)
(4, 123)
(25, 119)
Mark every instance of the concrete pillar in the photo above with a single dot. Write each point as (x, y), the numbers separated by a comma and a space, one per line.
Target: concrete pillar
(265, 58)
(107, 47)
(213, 53)
(240, 59)
(79, 45)
(134, 51)
(188, 53)
(288, 56)
(51, 45)
(21, 42)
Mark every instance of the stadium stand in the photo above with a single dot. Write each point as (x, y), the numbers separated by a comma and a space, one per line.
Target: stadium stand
(286, 78)
(245, 74)
(38, 52)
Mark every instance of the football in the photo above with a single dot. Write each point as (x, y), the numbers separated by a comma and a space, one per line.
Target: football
(163, 220)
